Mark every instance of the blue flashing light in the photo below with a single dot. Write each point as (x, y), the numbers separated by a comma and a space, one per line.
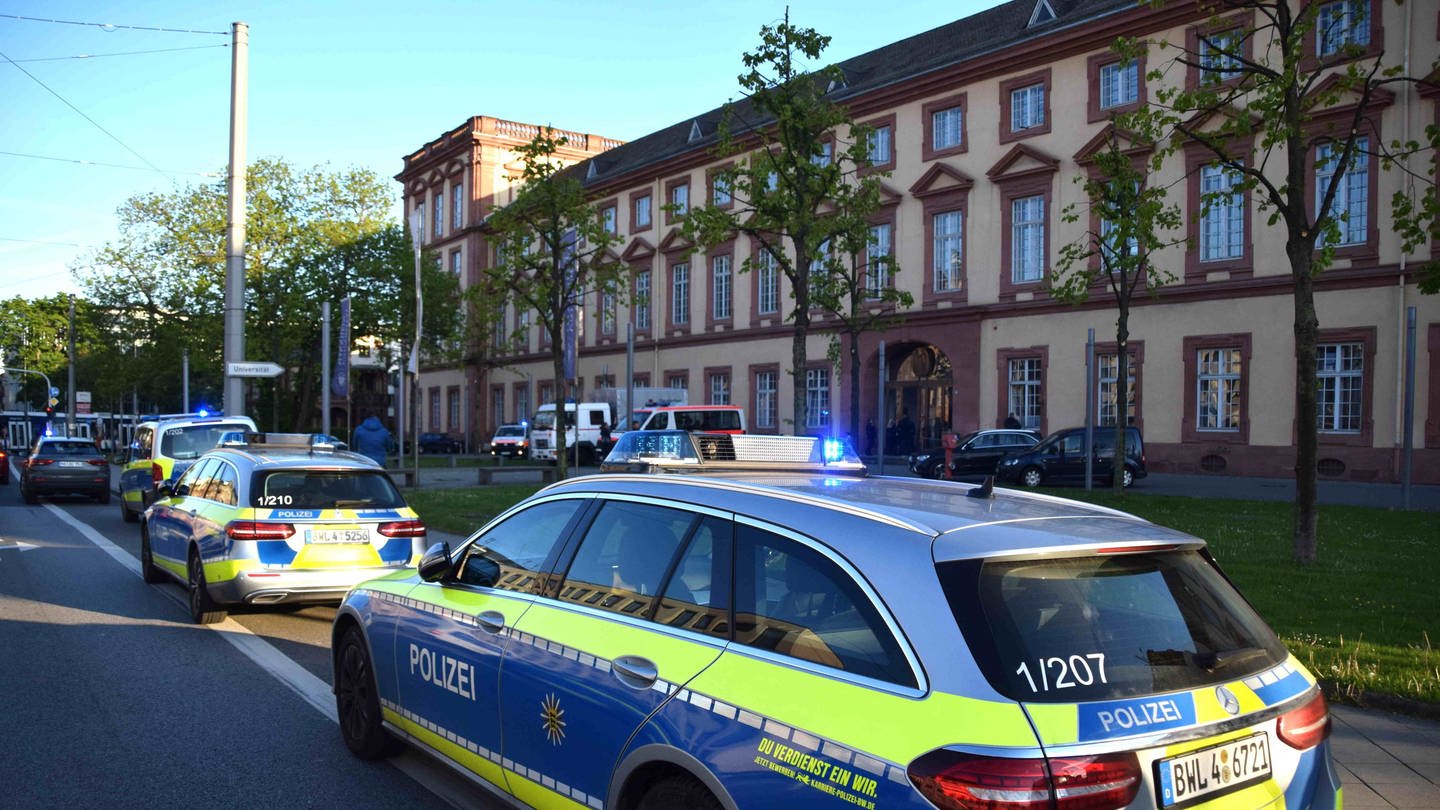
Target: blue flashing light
(834, 450)
(204, 412)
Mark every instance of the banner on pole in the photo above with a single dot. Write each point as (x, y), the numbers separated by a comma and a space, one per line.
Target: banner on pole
(340, 376)
(569, 330)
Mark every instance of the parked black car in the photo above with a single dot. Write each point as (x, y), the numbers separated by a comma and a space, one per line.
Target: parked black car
(60, 466)
(976, 455)
(439, 443)
(1060, 459)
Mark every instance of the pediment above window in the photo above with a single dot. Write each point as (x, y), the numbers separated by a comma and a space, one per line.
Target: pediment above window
(638, 249)
(1128, 143)
(675, 241)
(941, 178)
(1023, 161)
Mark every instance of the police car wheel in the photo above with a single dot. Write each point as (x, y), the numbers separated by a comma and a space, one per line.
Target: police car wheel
(202, 607)
(126, 514)
(678, 791)
(1031, 477)
(357, 702)
(148, 572)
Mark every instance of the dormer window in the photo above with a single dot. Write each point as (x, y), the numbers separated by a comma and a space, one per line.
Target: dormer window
(695, 133)
(1043, 13)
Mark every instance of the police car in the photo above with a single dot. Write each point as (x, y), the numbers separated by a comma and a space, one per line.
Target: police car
(762, 625)
(161, 450)
(274, 518)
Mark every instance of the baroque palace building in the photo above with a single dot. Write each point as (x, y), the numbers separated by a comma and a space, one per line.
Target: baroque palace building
(984, 125)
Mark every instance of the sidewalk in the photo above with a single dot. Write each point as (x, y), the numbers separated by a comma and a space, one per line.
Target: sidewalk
(1386, 760)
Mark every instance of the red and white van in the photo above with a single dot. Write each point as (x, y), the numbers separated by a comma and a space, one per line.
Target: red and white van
(699, 418)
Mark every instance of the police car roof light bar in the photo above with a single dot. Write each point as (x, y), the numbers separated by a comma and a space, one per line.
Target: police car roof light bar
(682, 451)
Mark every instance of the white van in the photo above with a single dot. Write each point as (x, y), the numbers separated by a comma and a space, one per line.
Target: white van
(582, 422)
(699, 418)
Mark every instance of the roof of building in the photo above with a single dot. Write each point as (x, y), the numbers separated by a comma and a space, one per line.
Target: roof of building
(991, 30)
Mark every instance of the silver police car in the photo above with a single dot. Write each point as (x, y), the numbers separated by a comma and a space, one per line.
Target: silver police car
(761, 625)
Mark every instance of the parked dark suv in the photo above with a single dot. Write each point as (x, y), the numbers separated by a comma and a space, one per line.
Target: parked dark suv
(1060, 459)
(975, 454)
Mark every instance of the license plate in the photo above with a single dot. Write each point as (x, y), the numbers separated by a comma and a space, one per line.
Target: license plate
(338, 536)
(71, 464)
(1209, 772)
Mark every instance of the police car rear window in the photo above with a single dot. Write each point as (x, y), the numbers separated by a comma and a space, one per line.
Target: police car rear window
(325, 489)
(1111, 626)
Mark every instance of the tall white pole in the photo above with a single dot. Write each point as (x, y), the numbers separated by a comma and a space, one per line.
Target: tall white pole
(325, 367)
(235, 230)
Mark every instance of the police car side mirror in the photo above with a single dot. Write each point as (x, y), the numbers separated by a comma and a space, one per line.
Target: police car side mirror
(165, 490)
(435, 565)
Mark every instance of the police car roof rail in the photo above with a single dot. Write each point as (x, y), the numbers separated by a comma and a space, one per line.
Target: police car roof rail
(249, 440)
(694, 452)
(160, 417)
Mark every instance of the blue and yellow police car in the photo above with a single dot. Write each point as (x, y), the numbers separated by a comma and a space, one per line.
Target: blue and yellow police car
(275, 518)
(762, 625)
(162, 448)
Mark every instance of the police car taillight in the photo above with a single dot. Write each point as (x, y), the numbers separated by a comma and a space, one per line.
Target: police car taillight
(157, 474)
(255, 530)
(403, 528)
(1307, 726)
(955, 781)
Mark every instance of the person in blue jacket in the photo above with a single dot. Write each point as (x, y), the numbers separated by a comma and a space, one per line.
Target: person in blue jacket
(372, 439)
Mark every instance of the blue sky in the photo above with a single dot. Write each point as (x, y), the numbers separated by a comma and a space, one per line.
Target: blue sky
(358, 83)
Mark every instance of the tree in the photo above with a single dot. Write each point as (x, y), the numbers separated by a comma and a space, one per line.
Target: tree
(1126, 222)
(785, 190)
(34, 335)
(1279, 86)
(857, 285)
(311, 236)
(552, 249)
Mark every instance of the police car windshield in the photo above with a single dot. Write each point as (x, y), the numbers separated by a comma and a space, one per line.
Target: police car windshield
(190, 441)
(325, 489)
(1103, 627)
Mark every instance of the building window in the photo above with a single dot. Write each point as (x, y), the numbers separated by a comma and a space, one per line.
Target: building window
(1023, 387)
(1340, 370)
(1351, 204)
(947, 128)
(819, 265)
(497, 329)
(879, 146)
(720, 388)
(817, 397)
(452, 409)
(1220, 56)
(497, 406)
(607, 219)
(607, 313)
(457, 206)
(1027, 107)
(439, 213)
(826, 154)
(767, 401)
(1107, 368)
(1222, 225)
(720, 288)
(642, 300)
(768, 280)
(1027, 239)
(680, 198)
(680, 294)
(1119, 84)
(547, 393)
(522, 403)
(948, 229)
(877, 259)
(681, 381)
(642, 212)
(1217, 389)
(455, 265)
(1342, 24)
(720, 191)
(434, 408)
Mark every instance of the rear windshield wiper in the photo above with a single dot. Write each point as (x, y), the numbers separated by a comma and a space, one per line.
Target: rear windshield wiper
(1221, 659)
(353, 503)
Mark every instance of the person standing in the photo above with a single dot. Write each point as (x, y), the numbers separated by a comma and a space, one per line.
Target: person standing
(372, 439)
(870, 436)
(1012, 422)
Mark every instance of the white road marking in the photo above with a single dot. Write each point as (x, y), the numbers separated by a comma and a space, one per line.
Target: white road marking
(311, 689)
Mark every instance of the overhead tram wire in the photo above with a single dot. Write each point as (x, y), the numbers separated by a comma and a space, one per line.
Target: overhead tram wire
(113, 26)
(119, 53)
(109, 165)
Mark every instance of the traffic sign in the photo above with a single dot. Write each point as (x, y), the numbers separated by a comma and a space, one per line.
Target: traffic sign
(54, 402)
(252, 369)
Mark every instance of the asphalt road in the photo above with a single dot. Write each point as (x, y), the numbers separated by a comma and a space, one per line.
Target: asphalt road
(114, 699)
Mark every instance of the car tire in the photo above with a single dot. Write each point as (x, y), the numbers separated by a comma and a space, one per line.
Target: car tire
(103, 497)
(203, 609)
(1031, 477)
(125, 513)
(1127, 478)
(28, 496)
(148, 570)
(935, 472)
(357, 701)
(678, 791)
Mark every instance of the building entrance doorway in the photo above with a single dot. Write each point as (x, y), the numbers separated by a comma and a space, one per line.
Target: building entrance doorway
(918, 397)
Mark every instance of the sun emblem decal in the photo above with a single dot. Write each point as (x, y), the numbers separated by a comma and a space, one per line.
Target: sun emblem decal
(552, 718)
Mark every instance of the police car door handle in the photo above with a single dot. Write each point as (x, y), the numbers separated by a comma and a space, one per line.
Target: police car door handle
(634, 671)
(491, 621)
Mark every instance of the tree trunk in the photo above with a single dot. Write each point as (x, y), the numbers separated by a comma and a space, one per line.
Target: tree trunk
(855, 390)
(1307, 328)
(1122, 396)
(557, 357)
